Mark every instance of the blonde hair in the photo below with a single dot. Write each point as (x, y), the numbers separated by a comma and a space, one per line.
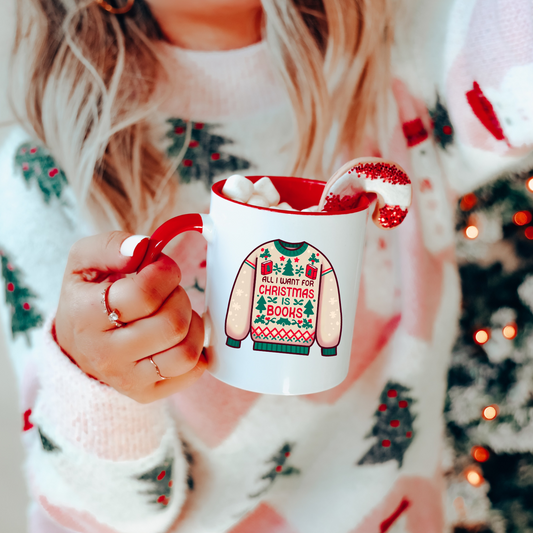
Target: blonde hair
(89, 81)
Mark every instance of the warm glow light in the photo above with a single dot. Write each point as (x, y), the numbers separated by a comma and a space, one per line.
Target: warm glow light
(528, 232)
(471, 232)
(468, 201)
(490, 412)
(529, 184)
(474, 477)
(481, 336)
(522, 218)
(509, 331)
(480, 454)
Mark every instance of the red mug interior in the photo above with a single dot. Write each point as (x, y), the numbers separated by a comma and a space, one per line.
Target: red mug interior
(299, 193)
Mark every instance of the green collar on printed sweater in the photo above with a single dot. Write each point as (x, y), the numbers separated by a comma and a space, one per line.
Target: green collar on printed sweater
(290, 249)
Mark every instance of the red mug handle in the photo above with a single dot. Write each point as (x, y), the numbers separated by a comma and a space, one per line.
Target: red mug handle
(167, 231)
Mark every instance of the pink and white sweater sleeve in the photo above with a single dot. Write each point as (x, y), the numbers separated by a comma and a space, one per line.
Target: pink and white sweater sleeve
(101, 461)
(490, 74)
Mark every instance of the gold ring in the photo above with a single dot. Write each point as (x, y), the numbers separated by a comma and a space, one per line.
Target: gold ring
(157, 369)
(115, 10)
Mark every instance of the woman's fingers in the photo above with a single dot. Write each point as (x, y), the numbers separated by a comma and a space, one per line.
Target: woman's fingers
(94, 258)
(159, 332)
(177, 360)
(142, 294)
(167, 387)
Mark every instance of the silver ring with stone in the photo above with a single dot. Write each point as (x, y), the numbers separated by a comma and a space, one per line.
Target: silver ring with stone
(112, 314)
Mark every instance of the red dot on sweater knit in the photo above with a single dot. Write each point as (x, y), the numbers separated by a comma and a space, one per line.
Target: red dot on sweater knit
(53, 173)
(382, 407)
(279, 468)
(10, 287)
(447, 130)
(26, 306)
(33, 150)
(179, 130)
(403, 404)
(394, 423)
(193, 144)
(392, 393)
(187, 162)
(161, 475)
(215, 156)
(385, 443)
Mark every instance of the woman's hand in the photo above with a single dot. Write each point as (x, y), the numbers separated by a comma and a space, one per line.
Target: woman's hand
(159, 321)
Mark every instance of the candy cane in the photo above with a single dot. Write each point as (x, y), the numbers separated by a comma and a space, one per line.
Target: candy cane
(373, 175)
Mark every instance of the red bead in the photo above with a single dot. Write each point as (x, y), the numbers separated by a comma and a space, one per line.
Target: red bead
(385, 443)
(26, 306)
(279, 468)
(409, 434)
(193, 144)
(394, 423)
(447, 130)
(392, 393)
(161, 475)
(215, 156)
(10, 287)
(179, 130)
(403, 404)
(199, 126)
(382, 407)
(287, 454)
(187, 163)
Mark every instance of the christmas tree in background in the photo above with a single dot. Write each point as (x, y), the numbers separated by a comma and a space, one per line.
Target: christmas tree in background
(18, 298)
(204, 158)
(393, 426)
(38, 165)
(279, 467)
(489, 407)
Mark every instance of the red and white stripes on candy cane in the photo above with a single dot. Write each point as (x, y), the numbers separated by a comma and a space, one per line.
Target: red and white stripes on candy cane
(370, 175)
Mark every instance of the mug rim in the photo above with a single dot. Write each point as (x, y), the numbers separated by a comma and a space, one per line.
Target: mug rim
(364, 204)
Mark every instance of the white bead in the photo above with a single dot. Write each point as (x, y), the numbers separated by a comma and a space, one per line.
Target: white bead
(266, 188)
(258, 200)
(312, 209)
(238, 188)
(285, 206)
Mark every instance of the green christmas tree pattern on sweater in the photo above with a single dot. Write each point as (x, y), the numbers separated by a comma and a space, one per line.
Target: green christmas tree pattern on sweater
(204, 158)
(38, 165)
(19, 299)
(393, 428)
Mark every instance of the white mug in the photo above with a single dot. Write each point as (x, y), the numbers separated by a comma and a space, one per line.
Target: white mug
(281, 289)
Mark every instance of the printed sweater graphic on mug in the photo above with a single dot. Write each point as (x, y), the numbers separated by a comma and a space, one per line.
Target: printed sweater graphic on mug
(287, 295)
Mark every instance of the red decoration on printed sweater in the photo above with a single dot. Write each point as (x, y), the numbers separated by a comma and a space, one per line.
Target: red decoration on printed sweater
(414, 132)
(27, 424)
(484, 111)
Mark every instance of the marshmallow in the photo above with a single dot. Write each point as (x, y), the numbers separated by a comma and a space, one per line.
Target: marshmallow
(312, 209)
(258, 200)
(284, 205)
(238, 188)
(266, 188)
